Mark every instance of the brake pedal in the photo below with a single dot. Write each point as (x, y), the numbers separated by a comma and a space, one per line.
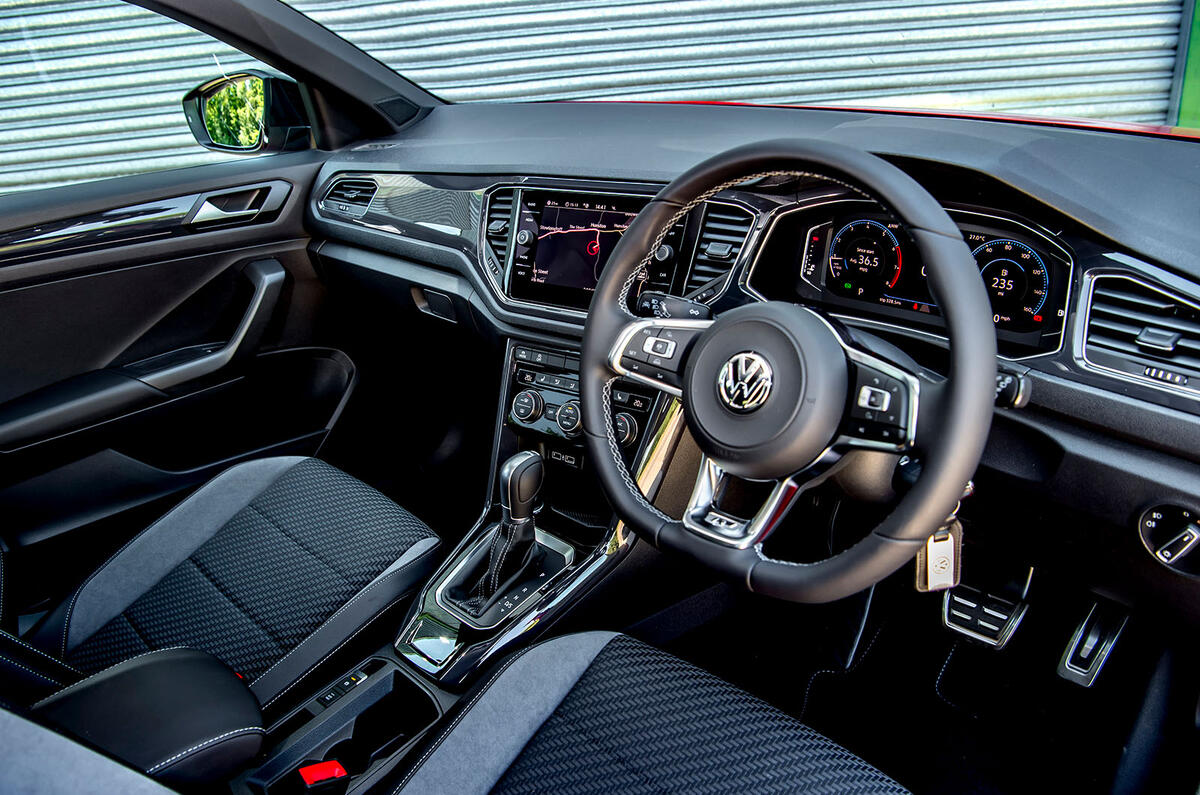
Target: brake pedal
(981, 616)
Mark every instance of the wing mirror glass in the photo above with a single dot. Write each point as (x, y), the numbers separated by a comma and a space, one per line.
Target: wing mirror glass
(248, 113)
(233, 114)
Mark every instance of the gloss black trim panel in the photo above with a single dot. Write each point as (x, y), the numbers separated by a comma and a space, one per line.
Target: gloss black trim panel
(169, 217)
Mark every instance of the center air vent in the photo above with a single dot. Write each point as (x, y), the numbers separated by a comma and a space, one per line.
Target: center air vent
(1143, 331)
(722, 237)
(349, 197)
(497, 224)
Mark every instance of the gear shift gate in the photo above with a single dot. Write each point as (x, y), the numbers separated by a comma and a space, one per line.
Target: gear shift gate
(512, 559)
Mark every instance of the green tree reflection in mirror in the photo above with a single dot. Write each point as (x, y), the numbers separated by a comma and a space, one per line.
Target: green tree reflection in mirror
(234, 114)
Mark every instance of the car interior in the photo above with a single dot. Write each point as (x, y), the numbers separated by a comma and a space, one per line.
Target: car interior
(600, 447)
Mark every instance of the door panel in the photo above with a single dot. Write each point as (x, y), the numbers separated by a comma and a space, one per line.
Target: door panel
(140, 360)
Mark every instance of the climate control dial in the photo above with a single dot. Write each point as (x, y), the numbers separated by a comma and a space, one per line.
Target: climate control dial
(626, 428)
(528, 405)
(570, 419)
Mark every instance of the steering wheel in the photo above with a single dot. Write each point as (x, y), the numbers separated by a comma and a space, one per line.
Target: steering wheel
(778, 393)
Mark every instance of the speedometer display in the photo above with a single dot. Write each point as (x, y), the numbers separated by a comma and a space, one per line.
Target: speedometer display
(871, 260)
(1017, 282)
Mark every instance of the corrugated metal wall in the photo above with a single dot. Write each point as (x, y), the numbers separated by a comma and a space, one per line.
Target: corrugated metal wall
(91, 88)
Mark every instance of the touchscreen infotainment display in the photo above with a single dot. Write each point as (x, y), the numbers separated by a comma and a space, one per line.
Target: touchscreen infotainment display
(562, 243)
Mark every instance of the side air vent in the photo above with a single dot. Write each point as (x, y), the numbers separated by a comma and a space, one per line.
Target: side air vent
(349, 197)
(1143, 331)
(722, 236)
(497, 227)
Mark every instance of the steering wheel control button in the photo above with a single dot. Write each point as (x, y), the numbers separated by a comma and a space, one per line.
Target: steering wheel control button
(657, 346)
(873, 398)
(569, 419)
(527, 406)
(879, 400)
(745, 382)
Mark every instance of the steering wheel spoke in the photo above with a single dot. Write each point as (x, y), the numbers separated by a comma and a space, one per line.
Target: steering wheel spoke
(654, 351)
(703, 517)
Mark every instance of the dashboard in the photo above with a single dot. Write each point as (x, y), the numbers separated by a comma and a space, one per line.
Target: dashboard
(1084, 241)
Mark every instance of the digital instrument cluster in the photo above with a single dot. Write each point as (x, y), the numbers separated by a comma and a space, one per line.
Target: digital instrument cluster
(866, 261)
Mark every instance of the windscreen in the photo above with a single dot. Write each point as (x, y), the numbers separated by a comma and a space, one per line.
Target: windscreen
(1110, 60)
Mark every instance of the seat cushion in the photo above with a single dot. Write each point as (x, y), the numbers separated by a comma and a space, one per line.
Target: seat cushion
(602, 713)
(269, 568)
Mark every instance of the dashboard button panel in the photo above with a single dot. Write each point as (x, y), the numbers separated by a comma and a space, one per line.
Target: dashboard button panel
(545, 388)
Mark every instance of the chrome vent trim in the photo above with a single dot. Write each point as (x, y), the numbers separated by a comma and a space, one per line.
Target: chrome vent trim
(499, 209)
(1141, 332)
(350, 196)
(724, 225)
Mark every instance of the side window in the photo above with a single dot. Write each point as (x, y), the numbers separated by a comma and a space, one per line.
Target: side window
(94, 89)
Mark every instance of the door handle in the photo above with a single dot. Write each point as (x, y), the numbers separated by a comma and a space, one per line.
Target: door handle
(210, 212)
(267, 278)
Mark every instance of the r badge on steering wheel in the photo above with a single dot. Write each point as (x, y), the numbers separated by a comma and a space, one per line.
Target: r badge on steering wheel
(745, 382)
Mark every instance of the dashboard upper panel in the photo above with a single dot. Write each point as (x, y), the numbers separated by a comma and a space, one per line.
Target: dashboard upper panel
(1141, 191)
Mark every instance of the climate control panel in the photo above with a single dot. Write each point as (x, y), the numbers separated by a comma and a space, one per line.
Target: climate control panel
(544, 387)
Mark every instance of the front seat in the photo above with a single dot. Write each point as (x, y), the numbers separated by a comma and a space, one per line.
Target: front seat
(600, 713)
(270, 567)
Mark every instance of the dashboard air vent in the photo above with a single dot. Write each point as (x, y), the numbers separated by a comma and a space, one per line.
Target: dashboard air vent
(497, 225)
(1143, 331)
(350, 196)
(722, 235)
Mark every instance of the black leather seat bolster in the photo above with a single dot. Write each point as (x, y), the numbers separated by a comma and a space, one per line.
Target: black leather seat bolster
(177, 714)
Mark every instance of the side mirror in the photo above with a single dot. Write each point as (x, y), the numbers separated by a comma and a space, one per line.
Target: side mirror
(248, 113)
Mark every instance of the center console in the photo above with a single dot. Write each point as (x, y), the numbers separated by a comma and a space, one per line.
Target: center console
(572, 539)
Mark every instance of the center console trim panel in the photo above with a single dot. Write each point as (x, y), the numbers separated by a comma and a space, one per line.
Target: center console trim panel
(542, 537)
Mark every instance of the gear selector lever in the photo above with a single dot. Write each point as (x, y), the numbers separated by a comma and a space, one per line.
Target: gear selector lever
(520, 486)
(514, 553)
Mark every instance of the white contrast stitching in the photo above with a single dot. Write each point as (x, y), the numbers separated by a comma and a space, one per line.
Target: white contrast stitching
(30, 670)
(606, 394)
(205, 744)
(38, 651)
(343, 608)
(106, 670)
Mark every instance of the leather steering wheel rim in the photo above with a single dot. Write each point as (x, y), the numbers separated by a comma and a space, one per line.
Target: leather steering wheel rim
(954, 435)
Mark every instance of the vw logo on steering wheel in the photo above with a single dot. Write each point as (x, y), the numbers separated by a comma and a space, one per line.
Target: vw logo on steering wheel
(745, 382)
